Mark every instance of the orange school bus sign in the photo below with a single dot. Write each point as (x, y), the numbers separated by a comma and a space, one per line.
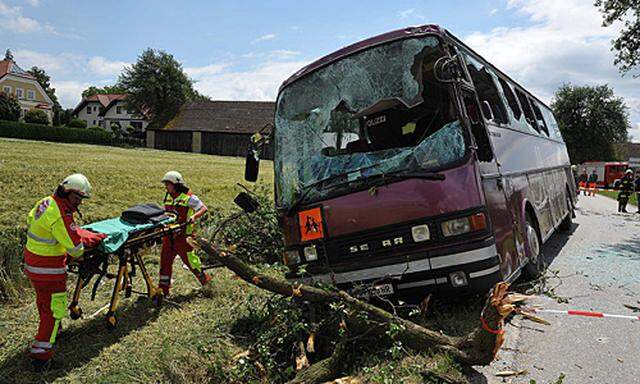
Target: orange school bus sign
(310, 222)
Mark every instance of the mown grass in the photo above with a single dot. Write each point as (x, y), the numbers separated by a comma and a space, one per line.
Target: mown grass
(633, 200)
(196, 334)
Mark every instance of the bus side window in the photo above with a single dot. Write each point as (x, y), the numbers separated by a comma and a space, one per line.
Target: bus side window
(511, 98)
(478, 130)
(490, 101)
(526, 108)
(539, 118)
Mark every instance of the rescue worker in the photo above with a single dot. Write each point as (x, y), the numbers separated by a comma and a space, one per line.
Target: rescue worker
(51, 237)
(189, 209)
(637, 189)
(582, 182)
(593, 183)
(626, 189)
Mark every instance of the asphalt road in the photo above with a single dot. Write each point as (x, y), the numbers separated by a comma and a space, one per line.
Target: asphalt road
(596, 267)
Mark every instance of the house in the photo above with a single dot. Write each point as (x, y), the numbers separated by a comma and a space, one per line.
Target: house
(109, 111)
(24, 87)
(214, 127)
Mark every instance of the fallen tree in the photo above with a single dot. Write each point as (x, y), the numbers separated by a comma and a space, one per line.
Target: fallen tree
(479, 347)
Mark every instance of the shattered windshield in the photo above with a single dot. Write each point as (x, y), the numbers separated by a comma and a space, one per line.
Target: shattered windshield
(376, 112)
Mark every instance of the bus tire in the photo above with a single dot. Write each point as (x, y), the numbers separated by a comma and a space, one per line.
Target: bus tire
(536, 264)
(567, 223)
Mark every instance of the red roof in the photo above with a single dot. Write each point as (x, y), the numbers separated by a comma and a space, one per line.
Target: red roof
(105, 100)
(9, 66)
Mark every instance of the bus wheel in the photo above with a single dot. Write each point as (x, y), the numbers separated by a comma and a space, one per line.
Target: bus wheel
(567, 223)
(536, 264)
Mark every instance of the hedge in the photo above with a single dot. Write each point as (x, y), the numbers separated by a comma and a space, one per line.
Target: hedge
(27, 131)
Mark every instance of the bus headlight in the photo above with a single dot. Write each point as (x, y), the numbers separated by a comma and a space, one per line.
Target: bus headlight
(310, 253)
(464, 225)
(291, 257)
(420, 233)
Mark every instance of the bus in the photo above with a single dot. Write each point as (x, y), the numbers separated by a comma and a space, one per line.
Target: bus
(407, 164)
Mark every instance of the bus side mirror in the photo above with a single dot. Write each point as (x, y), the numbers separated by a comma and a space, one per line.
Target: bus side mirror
(447, 69)
(246, 202)
(252, 165)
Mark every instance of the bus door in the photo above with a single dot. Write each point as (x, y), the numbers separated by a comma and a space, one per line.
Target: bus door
(497, 188)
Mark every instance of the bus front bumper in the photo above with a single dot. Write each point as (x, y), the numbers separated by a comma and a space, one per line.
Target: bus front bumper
(472, 271)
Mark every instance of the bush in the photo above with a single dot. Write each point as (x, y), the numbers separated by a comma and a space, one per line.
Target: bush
(36, 116)
(257, 235)
(77, 123)
(58, 134)
(9, 107)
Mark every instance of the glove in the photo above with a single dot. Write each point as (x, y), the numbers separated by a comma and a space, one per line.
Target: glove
(90, 239)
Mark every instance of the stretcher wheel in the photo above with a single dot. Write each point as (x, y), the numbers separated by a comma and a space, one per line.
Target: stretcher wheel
(112, 322)
(75, 313)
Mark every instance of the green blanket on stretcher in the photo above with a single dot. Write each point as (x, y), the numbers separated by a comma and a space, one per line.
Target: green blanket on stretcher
(118, 231)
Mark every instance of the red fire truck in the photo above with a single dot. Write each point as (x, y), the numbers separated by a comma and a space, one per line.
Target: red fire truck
(608, 171)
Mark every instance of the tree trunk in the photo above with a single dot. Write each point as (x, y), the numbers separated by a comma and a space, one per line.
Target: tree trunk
(477, 348)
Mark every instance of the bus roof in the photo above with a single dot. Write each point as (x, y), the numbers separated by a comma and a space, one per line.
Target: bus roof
(414, 31)
(429, 29)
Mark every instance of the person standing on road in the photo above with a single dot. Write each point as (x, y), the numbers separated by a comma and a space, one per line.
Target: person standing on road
(637, 189)
(582, 182)
(189, 209)
(51, 237)
(593, 183)
(627, 187)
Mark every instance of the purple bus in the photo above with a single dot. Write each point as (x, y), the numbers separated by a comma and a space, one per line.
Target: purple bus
(407, 164)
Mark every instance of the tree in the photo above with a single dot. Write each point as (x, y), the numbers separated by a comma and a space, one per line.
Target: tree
(591, 119)
(66, 116)
(627, 44)
(77, 123)
(36, 116)
(9, 107)
(93, 90)
(45, 83)
(157, 86)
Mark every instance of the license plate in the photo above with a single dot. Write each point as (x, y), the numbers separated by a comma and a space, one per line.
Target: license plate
(377, 290)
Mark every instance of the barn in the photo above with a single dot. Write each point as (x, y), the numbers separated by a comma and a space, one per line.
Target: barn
(214, 127)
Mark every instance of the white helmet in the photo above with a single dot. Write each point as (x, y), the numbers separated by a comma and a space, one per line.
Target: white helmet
(628, 172)
(77, 183)
(174, 177)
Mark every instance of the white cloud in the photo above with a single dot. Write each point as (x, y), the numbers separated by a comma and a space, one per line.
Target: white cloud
(406, 13)
(33, 3)
(208, 70)
(266, 37)
(60, 64)
(9, 11)
(410, 13)
(565, 43)
(258, 83)
(493, 11)
(104, 67)
(283, 54)
(12, 19)
(69, 92)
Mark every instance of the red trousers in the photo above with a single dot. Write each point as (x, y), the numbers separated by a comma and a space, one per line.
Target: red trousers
(171, 248)
(42, 347)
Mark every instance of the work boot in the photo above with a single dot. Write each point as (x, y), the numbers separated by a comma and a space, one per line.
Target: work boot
(46, 365)
(204, 278)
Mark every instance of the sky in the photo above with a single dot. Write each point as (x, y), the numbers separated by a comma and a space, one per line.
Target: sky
(243, 50)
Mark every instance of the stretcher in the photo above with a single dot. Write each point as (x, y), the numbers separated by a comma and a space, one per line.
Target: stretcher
(128, 243)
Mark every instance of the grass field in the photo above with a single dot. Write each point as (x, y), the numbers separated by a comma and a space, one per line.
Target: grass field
(614, 195)
(197, 332)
